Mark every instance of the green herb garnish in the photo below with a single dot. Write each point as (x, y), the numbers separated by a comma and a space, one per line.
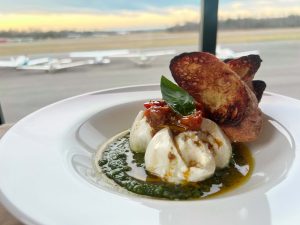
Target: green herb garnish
(177, 98)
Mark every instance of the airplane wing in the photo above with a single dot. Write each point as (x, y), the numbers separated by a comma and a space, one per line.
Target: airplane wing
(21, 61)
(101, 57)
(45, 67)
(139, 57)
(137, 54)
(52, 67)
(9, 64)
(99, 54)
(60, 61)
(143, 58)
(14, 62)
(98, 59)
(61, 66)
(38, 61)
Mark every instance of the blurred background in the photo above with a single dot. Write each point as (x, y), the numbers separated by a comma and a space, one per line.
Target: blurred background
(54, 49)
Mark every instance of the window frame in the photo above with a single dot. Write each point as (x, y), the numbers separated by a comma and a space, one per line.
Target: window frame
(208, 26)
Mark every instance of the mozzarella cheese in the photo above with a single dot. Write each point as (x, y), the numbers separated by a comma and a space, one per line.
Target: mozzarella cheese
(217, 142)
(181, 159)
(190, 156)
(196, 155)
(140, 133)
(162, 158)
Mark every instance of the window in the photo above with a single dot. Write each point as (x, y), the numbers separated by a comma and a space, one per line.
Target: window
(135, 41)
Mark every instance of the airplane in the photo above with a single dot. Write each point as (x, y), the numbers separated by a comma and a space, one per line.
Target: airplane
(227, 53)
(139, 57)
(22, 61)
(56, 65)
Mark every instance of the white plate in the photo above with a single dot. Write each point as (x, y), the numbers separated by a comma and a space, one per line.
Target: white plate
(46, 174)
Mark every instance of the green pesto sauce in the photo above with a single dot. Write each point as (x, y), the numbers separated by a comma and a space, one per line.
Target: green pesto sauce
(127, 169)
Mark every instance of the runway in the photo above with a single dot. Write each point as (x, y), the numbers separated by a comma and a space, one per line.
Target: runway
(22, 92)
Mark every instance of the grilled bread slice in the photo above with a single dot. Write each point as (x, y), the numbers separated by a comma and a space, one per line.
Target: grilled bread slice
(245, 67)
(212, 83)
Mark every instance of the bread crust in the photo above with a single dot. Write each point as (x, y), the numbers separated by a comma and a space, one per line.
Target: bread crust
(251, 125)
(212, 83)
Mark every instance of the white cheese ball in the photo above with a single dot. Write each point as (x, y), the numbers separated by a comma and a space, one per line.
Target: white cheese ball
(183, 159)
(162, 158)
(198, 158)
(140, 133)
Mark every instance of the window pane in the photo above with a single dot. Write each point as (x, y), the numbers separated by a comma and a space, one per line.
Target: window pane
(144, 35)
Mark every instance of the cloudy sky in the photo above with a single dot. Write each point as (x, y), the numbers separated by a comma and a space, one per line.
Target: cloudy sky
(127, 14)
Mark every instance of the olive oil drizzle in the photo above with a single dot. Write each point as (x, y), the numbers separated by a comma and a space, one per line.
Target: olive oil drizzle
(127, 169)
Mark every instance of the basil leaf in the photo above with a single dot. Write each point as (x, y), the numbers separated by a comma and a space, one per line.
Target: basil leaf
(177, 98)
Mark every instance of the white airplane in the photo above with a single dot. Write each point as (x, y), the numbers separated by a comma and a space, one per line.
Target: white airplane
(22, 61)
(227, 53)
(100, 57)
(56, 65)
(137, 56)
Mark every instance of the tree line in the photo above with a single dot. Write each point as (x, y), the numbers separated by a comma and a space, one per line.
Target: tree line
(11, 34)
(247, 23)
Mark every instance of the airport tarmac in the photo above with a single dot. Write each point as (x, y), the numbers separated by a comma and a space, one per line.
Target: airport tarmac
(22, 92)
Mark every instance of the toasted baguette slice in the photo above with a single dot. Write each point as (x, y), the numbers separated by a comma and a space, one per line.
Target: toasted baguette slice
(212, 83)
(245, 67)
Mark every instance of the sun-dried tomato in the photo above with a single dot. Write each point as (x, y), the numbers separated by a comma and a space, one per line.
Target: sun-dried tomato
(160, 115)
(151, 103)
(192, 122)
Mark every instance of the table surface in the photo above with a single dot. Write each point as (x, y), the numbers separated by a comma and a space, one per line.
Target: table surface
(5, 217)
